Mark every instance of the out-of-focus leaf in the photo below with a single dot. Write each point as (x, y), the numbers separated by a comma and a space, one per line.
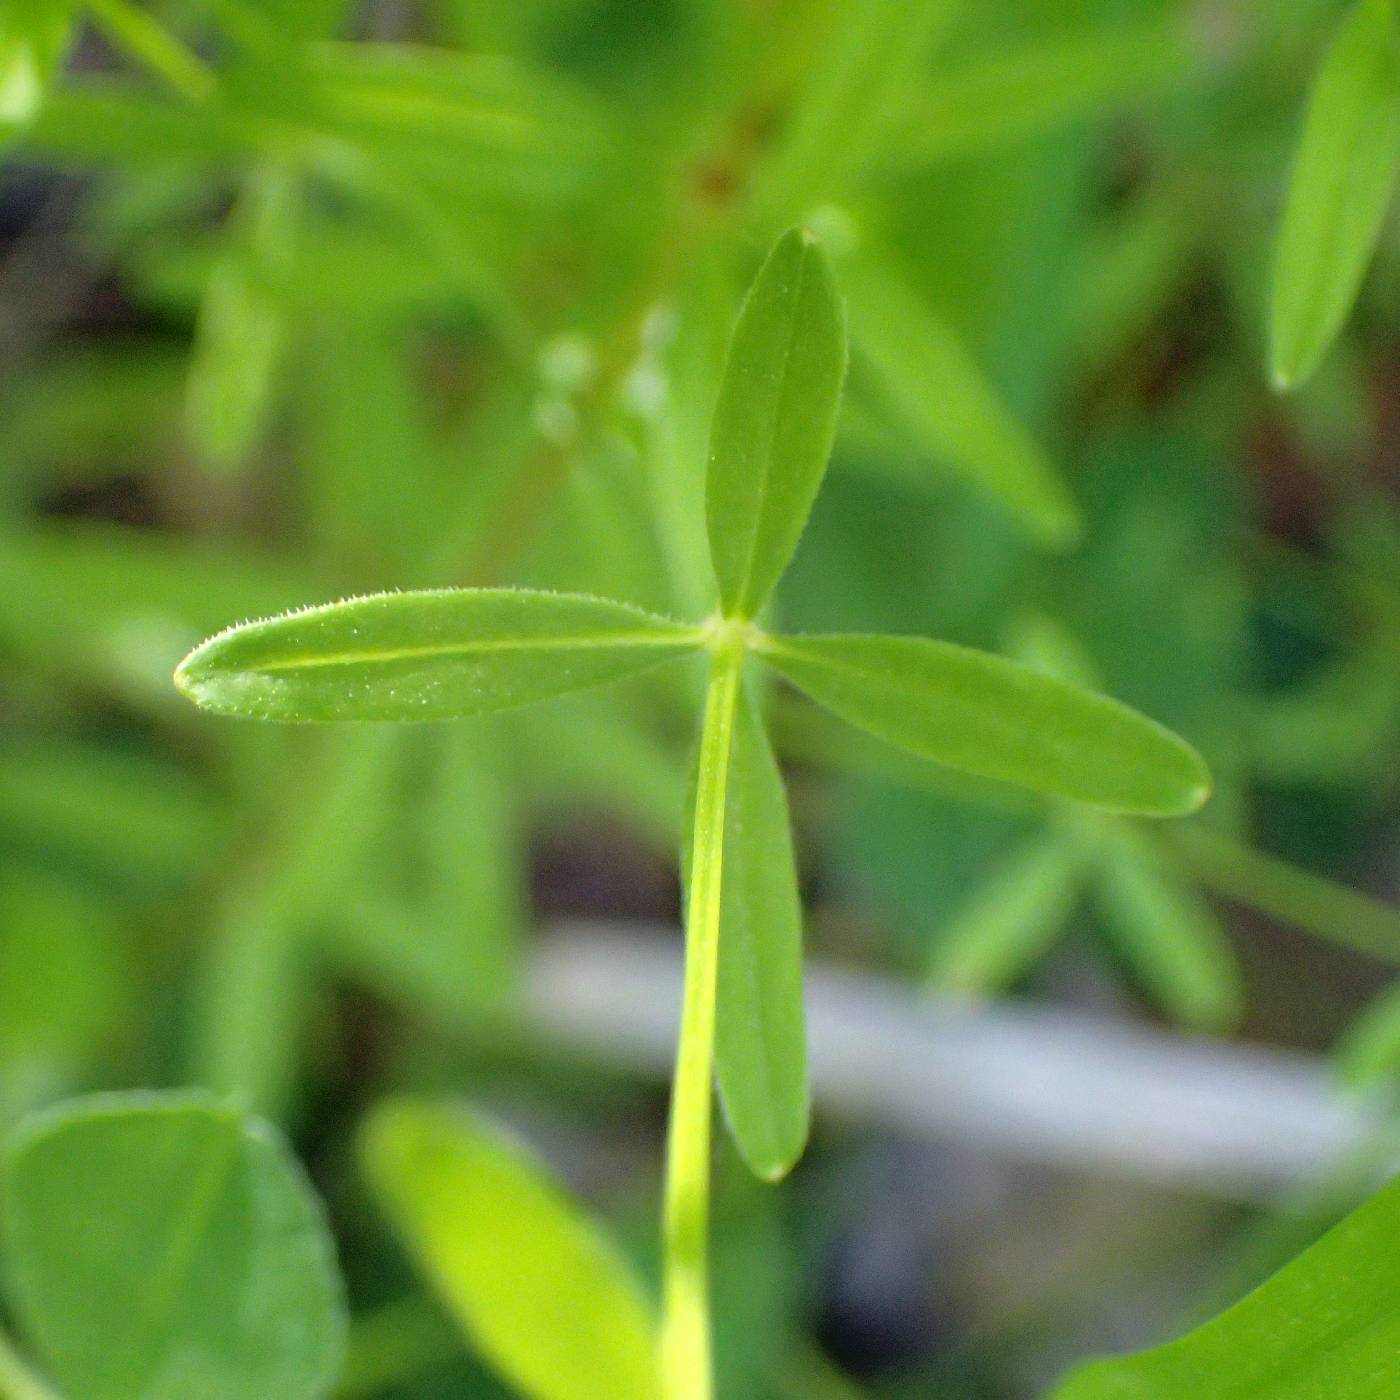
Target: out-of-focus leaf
(134, 818)
(95, 409)
(240, 334)
(254, 982)
(760, 1025)
(538, 1289)
(988, 102)
(989, 716)
(1335, 726)
(775, 420)
(368, 460)
(601, 536)
(588, 750)
(465, 238)
(673, 392)
(106, 119)
(1370, 1050)
(861, 80)
(1327, 1324)
(1009, 920)
(163, 1246)
(120, 606)
(474, 884)
(62, 980)
(1342, 179)
(1128, 270)
(936, 389)
(428, 655)
(468, 119)
(1169, 935)
(33, 37)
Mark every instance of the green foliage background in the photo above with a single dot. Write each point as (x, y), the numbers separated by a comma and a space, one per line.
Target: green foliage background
(301, 299)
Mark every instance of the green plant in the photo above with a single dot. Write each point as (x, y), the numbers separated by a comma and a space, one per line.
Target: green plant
(166, 1245)
(1342, 180)
(420, 656)
(303, 299)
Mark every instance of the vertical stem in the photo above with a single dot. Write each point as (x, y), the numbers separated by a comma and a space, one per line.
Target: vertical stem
(685, 1328)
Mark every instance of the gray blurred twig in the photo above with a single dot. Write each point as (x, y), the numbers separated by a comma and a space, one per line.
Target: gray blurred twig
(1034, 1082)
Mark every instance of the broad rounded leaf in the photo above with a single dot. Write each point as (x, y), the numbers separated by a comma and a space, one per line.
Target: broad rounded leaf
(1326, 1325)
(535, 1285)
(986, 715)
(760, 1026)
(167, 1247)
(1342, 179)
(428, 655)
(775, 420)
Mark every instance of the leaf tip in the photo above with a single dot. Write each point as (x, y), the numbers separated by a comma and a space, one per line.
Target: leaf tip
(1197, 787)
(1284, 378)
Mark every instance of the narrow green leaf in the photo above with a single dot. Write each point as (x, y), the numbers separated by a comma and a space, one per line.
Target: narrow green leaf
(1342, 179)
(760, 1028)
(929, 379)
(430, 655)
(860, 81)
(1170, 935)
(1326, 1326)
(166, 1247)
(991, 101)
(989, 716)
(452, 118)
(117, 119)
(1009, 920)
(242, 320)
(775, 420)
(533, 1283)
(1370, 1049)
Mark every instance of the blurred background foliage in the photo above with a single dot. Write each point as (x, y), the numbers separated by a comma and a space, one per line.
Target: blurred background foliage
(303, 298)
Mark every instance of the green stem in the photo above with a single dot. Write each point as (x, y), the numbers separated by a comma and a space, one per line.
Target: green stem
(17, 1381)
(685, 1328)
(142, 37)
(1312, 903)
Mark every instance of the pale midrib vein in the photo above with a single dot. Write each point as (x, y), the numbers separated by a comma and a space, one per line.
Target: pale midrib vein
(467, 649)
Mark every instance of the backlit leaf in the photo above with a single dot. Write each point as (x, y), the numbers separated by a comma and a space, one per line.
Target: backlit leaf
(536, 1287)
(33, 37)
(1327, 1324)
(1342, 178)
(760, 1028)
(167, 1247)
(428, 655)
(774, 421)
(989, 716)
